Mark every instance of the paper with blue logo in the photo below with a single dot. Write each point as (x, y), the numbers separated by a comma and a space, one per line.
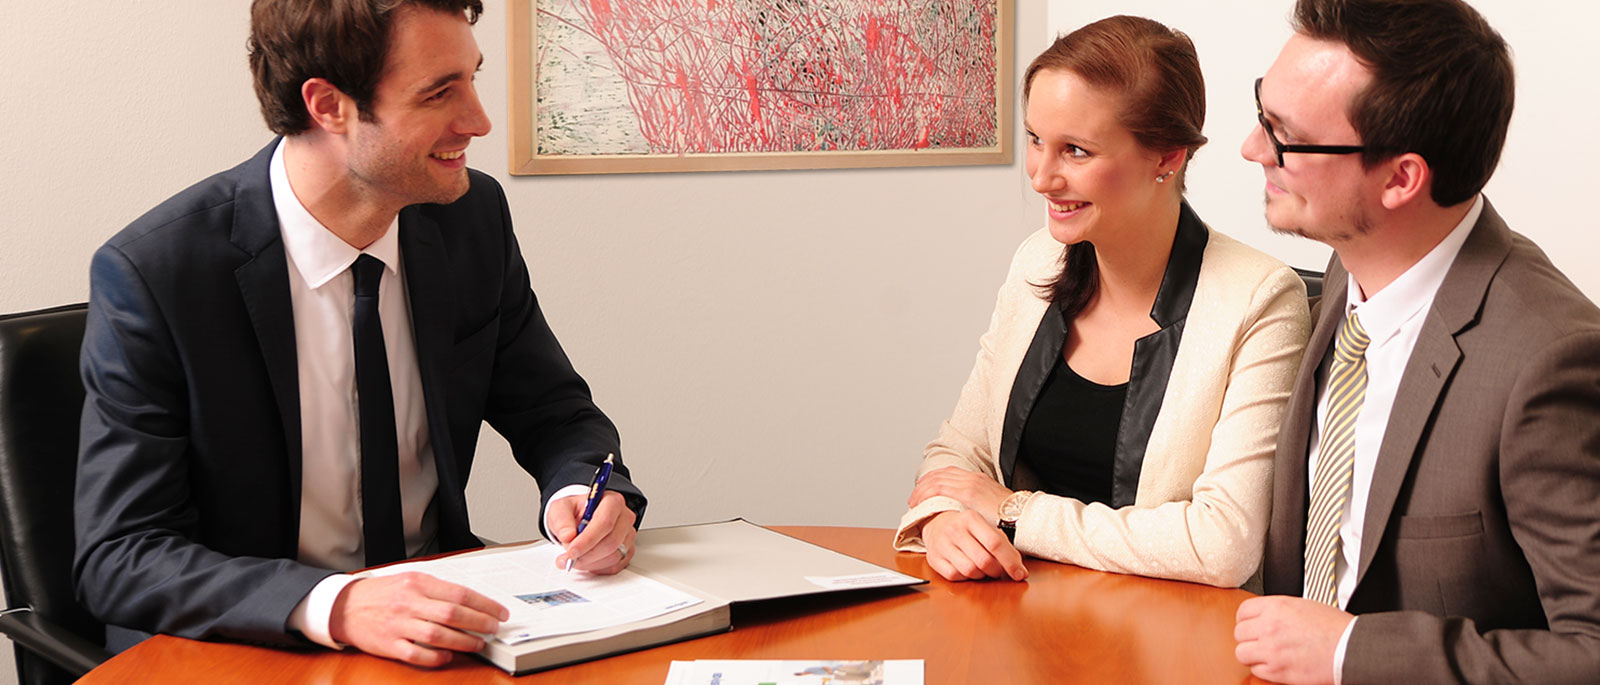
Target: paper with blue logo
(795, 672)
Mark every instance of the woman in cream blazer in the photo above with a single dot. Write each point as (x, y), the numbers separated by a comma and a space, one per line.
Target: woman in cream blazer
(1195, 492)
(1207, 371)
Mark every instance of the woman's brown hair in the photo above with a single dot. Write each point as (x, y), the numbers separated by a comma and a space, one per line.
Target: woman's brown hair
(1162, 102)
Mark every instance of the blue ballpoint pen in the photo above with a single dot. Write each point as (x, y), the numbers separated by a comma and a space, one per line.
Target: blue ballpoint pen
(597, 489)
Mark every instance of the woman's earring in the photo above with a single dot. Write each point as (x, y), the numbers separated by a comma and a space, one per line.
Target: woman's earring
(1163, 178)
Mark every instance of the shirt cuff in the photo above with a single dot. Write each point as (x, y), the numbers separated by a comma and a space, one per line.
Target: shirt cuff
(1338, 652)
(311, 615)
(573, 490)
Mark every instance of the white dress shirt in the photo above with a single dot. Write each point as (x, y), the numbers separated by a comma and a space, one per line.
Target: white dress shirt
(322, 293)
(1393, 320)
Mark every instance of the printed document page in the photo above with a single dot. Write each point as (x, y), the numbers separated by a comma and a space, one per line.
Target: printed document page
(545, 600)
(758, 672)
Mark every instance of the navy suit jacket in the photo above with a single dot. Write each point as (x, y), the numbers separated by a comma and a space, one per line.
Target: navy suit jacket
(188, 491)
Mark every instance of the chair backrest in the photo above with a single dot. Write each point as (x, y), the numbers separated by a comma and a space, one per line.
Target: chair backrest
(41, 402)
(1313, 281)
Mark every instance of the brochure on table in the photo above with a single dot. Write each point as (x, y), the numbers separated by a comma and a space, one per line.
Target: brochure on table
(760, 672)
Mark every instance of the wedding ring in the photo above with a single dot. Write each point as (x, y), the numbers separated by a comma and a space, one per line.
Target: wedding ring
(623, 550)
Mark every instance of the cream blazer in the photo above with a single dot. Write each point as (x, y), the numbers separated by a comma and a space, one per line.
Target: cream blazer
(1204, 495)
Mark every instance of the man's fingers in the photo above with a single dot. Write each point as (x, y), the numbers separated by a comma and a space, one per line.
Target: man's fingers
(563, 518)
(412, 617)
(1271, 673)
(414, 654)
(607, 556)
(1250, 608)
(609, 528)
(473, 606)
(1248, 653)
(606, 559)
(462, 617)
(434, 635)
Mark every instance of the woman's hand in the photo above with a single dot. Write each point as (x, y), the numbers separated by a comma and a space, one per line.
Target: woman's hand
(963, 546)
(974, 491)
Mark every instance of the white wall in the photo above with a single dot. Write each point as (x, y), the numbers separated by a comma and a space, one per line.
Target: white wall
(1545, 177)
(774, 345)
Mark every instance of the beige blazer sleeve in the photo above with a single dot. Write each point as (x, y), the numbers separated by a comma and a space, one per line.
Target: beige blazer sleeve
(1204, 491)
(970, 438)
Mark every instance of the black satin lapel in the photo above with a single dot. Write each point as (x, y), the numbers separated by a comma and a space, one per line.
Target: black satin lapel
(1147, 386)
(432, 326)
(1183, 269)
(1154, 354)
(1048, 341)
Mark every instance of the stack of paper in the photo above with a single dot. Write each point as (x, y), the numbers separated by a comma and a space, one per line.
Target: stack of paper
(680, 585)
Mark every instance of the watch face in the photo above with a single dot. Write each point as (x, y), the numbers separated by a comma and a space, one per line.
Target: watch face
(1011, 508)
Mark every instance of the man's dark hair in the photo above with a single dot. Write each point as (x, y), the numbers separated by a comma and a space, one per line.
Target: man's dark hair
(1442, 84)
(343, 41)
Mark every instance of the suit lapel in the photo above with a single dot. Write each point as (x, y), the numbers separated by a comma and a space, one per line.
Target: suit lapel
(1433, 361)
(1035, 368)
(432, 327)
(264, 287)
(1288, 533)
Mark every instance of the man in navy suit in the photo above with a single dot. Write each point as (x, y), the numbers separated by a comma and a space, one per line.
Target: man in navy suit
(225, 479)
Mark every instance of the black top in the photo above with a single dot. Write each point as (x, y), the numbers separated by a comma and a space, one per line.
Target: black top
(1070, 440)
(1153, 356)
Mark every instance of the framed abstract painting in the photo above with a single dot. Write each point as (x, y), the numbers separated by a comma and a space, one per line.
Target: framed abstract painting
(626, 86)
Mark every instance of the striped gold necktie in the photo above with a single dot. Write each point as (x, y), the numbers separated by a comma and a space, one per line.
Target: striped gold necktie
(1330, 486)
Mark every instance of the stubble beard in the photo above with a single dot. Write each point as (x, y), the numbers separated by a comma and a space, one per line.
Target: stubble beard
(1360, 225)
(389, 171)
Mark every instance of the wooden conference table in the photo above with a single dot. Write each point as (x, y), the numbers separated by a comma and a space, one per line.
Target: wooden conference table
(1064, 625)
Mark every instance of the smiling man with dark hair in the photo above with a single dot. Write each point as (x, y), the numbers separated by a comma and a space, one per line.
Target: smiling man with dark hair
(287, 364)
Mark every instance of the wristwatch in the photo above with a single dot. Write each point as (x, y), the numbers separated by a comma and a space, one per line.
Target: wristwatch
(1011, 510)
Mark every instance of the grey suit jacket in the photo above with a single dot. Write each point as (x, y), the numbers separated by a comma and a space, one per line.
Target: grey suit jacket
(1481, 559)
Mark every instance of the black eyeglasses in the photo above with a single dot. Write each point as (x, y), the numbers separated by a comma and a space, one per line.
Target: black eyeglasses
(1281, 148)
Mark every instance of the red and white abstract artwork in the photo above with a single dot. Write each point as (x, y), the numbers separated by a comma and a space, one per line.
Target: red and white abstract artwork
(683, 77)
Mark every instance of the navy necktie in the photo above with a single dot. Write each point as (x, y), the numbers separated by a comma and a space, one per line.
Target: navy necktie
(383, 529)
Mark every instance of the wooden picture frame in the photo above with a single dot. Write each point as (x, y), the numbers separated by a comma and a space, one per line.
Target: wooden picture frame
(713, 85)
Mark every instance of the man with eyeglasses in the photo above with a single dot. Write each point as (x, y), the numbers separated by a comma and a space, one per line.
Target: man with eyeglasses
(1436, 505)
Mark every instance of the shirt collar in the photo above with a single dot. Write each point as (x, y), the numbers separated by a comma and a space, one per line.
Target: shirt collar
(315, 251)
(1383, 314)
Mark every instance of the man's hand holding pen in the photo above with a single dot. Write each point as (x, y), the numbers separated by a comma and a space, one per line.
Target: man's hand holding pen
(597, 531)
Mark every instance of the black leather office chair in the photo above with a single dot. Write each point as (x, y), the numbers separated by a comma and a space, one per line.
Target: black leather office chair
(41, 399)
(1313, 281)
